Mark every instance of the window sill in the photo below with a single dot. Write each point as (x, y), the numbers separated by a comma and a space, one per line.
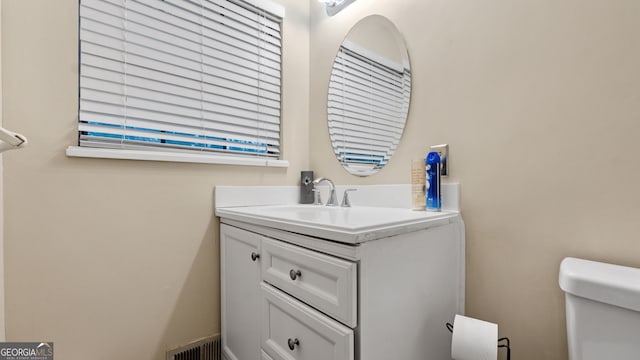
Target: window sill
(86, 152)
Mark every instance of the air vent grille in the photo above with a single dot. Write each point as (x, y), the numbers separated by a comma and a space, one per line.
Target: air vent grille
(204, 349)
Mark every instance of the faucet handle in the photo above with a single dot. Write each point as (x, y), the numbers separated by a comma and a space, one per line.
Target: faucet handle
(333, 200)
(345, 198)
(317, 200)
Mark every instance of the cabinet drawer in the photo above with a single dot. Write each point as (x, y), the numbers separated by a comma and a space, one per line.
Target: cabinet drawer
(292, 330)
(322, 281)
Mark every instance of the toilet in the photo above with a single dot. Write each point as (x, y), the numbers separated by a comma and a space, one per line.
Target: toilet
(603, 310)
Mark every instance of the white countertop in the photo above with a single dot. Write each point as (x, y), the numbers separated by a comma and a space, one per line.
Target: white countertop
(348, 225)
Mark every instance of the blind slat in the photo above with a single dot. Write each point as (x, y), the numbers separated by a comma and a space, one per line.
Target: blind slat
(239, 127)
(165, 62)
(363, 119)
(367, 105)
(352, 92)
(192, 58)
(148, 109)
(344, 133)
(93, 64)
(182, 35)
(207, 138)
(99, 91)
(114, 82)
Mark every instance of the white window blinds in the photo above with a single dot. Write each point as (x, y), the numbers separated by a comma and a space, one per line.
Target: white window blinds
(181, 76)
(367, 108)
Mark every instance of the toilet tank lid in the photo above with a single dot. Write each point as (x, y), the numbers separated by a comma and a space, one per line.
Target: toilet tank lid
(607, 283)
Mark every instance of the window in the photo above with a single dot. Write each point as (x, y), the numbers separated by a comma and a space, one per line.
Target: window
(180, 79)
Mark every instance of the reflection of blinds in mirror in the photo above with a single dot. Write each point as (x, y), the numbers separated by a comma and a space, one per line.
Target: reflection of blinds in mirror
(178, 75)
(367, 108)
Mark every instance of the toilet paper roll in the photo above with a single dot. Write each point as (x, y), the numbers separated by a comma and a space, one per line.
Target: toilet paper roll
(474, 339)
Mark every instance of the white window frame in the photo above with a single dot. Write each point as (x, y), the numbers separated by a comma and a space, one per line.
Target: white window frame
(133, 152)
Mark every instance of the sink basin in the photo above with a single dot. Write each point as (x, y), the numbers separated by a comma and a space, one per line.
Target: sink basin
(351, 225)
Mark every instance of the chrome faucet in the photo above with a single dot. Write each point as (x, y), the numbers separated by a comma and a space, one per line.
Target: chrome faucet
(333, 200)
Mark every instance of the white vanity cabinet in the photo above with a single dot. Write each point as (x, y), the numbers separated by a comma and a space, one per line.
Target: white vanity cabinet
(384, 295)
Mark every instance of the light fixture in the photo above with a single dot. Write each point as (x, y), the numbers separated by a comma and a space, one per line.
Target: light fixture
(334, 6)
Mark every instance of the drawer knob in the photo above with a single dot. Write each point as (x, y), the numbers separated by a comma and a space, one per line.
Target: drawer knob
(293, 343)
(294, 274)
(255, 256)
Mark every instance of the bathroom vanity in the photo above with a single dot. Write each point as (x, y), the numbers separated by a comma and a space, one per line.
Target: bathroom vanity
(311, 282)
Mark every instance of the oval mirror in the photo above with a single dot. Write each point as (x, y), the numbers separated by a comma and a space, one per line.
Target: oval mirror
(369, 93)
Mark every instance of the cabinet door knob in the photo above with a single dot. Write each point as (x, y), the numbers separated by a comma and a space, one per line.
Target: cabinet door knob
(293, 343)
(294, 274)
(255, 256)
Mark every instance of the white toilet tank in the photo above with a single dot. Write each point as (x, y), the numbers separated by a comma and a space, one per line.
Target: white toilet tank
(603, 310)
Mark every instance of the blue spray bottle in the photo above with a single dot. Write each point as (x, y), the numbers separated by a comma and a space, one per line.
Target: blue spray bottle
(432, 184)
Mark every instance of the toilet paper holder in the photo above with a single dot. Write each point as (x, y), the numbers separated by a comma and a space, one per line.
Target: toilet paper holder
(502, 342)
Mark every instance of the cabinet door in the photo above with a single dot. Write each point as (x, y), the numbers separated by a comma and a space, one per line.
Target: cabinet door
(240, 283)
